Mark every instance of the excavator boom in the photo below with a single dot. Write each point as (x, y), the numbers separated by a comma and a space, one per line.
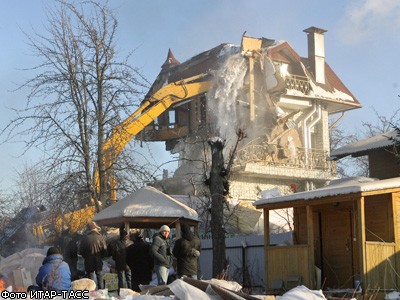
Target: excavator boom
(150, 109)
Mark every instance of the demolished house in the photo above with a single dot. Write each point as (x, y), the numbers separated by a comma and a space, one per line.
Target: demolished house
(281, 101)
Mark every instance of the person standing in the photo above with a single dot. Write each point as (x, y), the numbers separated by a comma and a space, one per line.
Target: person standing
(93, 248)
(54, 274)
(69, 249)
(161, 252)
(118, 253)
(187, 251)
(140, 261)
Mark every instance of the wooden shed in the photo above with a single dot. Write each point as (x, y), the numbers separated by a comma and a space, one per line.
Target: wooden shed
(381, 151)
(350, 230)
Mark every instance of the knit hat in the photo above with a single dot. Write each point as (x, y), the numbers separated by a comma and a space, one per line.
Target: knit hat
(165, 228)
(92, 226)
(53, 250)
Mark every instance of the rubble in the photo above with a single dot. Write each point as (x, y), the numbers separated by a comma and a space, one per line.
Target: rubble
(19, 270)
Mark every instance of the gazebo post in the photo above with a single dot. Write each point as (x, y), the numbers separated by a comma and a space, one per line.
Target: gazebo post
(361, 240)
(310, 237)
(178, 230)
(126, 223)
(395, 211)
(266, 246)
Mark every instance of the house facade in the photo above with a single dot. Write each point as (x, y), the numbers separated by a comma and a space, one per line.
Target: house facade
(280, 100)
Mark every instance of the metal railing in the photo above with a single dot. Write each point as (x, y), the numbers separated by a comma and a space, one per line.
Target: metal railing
(272, 155)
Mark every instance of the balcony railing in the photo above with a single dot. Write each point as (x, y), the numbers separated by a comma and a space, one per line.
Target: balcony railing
(310, 159)
(298, 83)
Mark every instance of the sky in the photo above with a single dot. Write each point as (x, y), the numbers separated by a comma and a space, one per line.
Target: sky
(361, 44)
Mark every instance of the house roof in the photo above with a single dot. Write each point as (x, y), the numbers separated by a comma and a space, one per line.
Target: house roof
(203, 62)
(362, 147)
(333, 91)
(146, 208)
(337, 187)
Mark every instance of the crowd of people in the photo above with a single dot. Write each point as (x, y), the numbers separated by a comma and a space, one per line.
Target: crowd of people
(135, 259)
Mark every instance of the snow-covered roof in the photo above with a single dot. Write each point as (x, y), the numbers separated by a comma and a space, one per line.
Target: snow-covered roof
(376, 142)
(336, 188)
(148, 206)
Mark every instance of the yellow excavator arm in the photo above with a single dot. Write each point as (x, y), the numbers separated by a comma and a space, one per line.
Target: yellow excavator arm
(150, 109)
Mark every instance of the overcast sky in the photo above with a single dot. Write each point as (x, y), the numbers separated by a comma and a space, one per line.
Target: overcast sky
(362, 45)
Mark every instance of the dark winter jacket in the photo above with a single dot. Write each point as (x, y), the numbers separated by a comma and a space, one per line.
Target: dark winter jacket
(69, 247)
(118, 252)
(161, 251)
(140, 262)
(93, 248)
(187, 251)
(54, 274)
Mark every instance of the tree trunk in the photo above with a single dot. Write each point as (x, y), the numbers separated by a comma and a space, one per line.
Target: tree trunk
(217, 191)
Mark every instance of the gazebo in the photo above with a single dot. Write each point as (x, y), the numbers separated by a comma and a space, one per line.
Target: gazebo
(147, 208)
(350, 230)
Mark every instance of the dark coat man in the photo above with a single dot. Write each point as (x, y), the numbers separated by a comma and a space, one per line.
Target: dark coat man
(68, 244)
(187, 251)
(93, 248)
(140, 261)
(118, 253)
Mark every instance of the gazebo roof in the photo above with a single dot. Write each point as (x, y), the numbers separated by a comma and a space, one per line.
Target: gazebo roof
(146, 208)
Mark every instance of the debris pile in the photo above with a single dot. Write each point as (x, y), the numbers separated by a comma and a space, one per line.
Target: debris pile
(18, 271)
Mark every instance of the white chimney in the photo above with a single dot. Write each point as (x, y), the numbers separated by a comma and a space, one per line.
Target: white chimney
(316, 52)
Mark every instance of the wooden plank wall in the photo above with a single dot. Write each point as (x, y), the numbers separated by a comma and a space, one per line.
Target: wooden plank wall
(287, 261)
(396, 226)
(380, 260)
(378, 218)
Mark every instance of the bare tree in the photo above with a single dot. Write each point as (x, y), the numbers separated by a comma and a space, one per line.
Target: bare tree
(219, 189)
(7, 212)
(80, 92)
(32, 185)
(218, 192)
(56, 193)
(346, 167)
